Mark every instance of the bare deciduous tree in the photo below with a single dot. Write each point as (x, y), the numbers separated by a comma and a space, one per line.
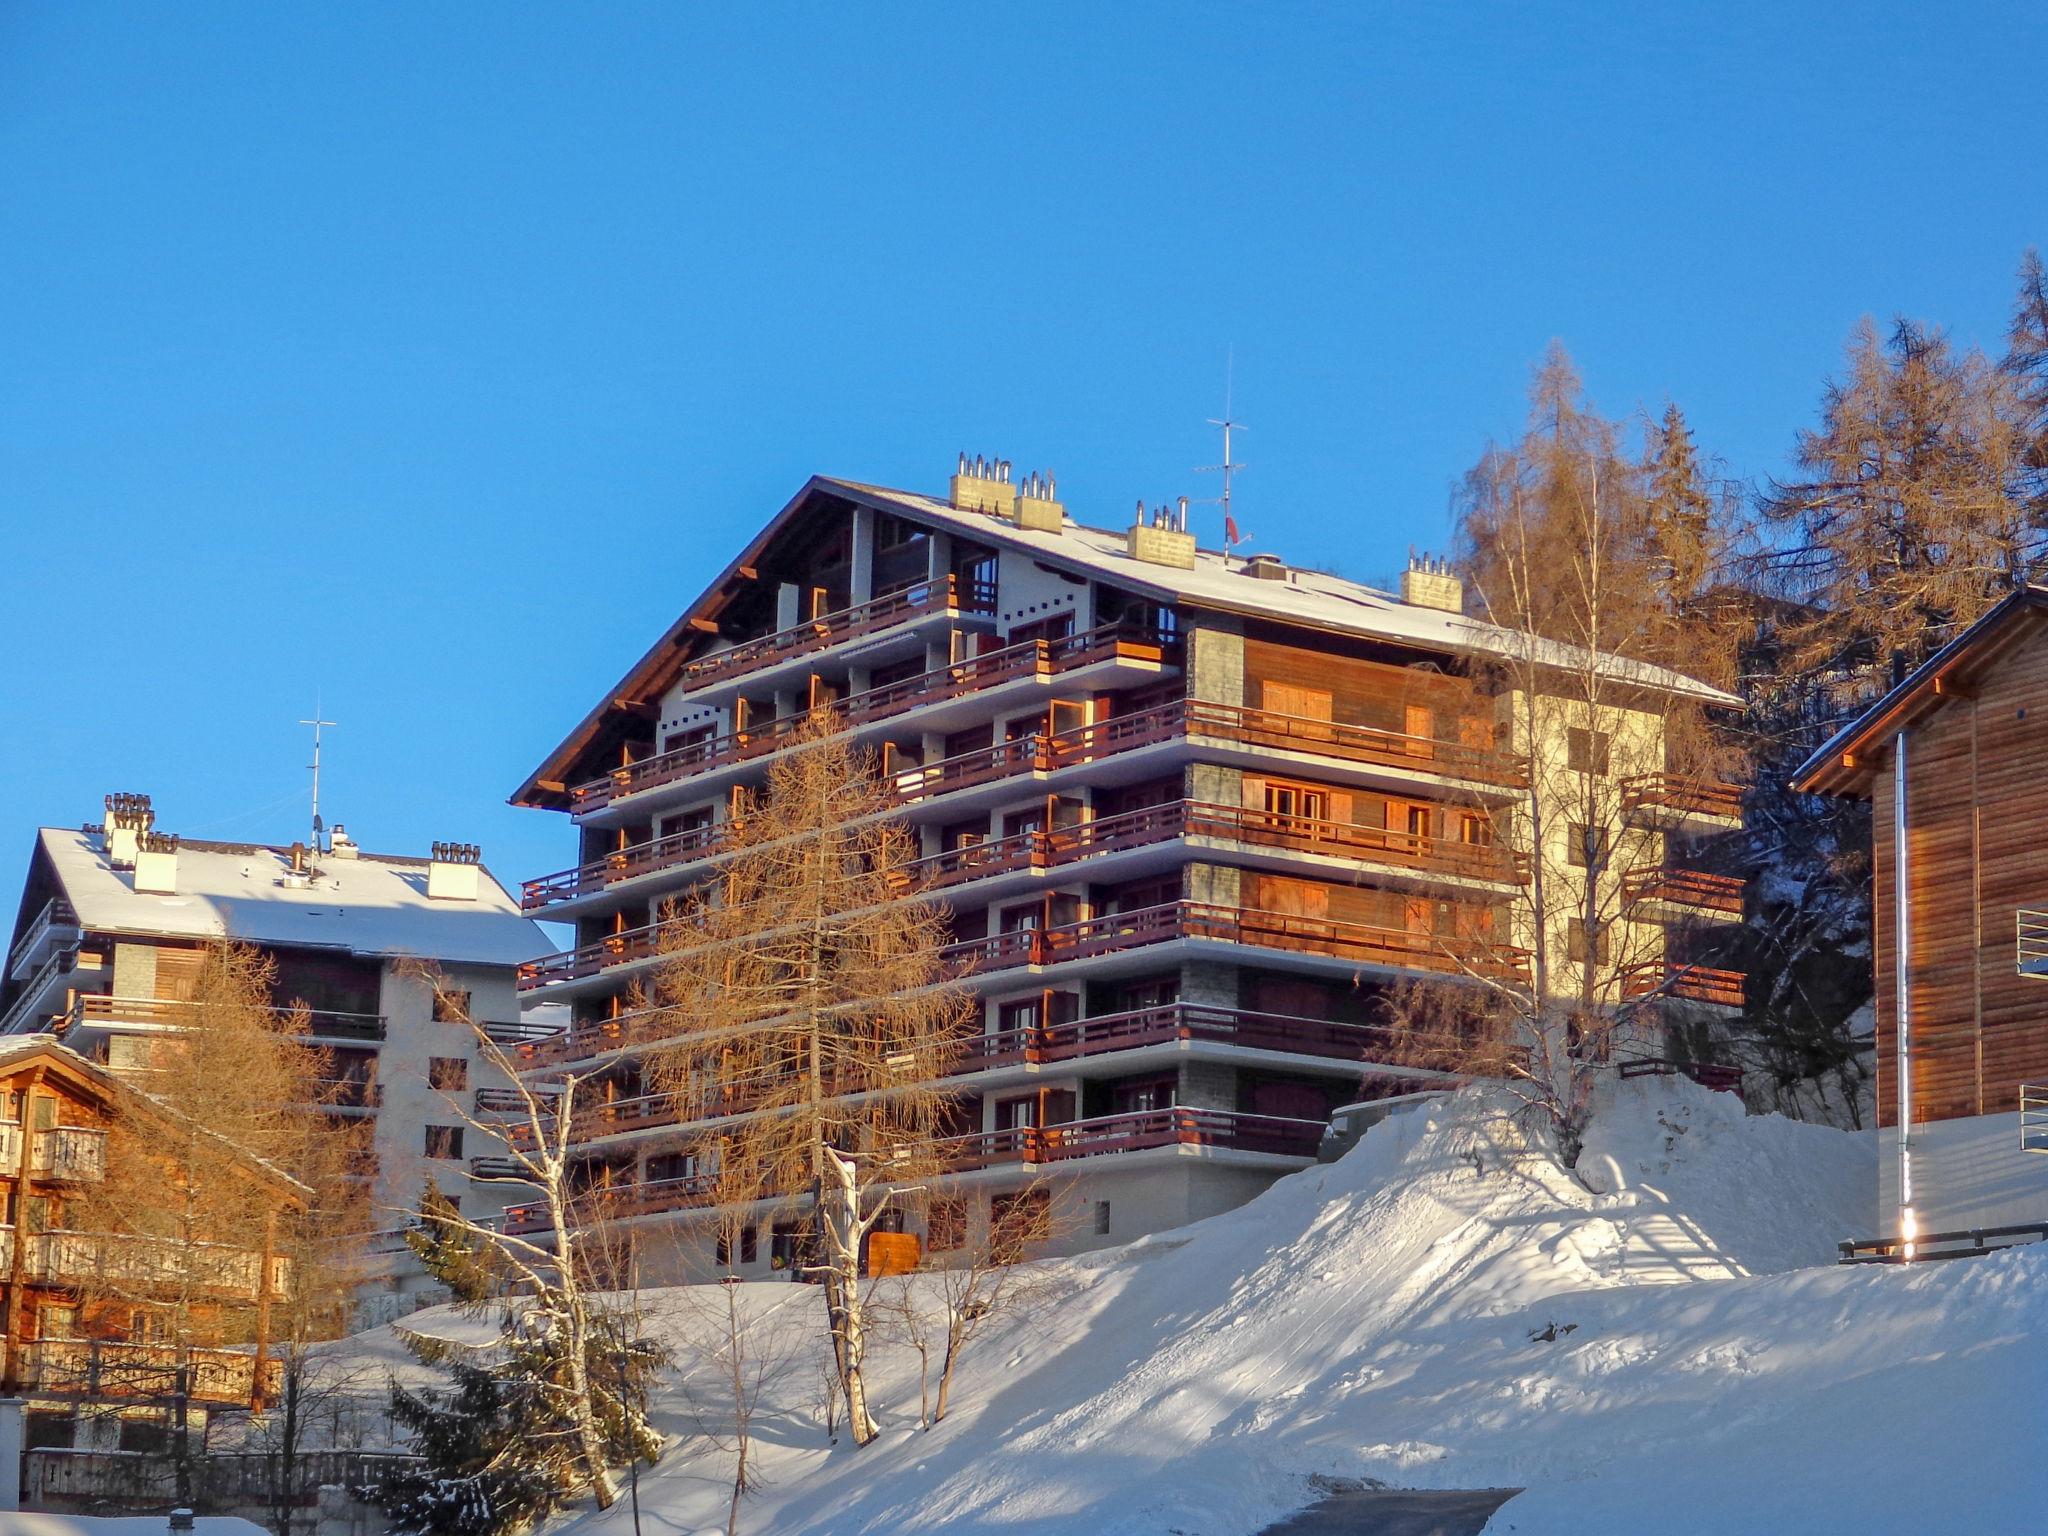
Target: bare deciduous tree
(803, 1021)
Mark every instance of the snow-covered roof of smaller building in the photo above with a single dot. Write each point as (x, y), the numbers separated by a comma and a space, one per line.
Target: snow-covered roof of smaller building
(372, 904)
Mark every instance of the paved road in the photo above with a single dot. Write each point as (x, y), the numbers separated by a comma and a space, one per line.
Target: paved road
(1397, 1512)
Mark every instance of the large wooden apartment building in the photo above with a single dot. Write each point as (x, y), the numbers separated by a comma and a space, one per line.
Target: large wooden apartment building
(1190, 814)
(1953, 761)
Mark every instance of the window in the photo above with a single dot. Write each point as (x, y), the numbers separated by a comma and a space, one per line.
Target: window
(444, 1141)
(450, 1074)
(1025, 1013)
(1476, 829)
(1588, 751)
(1578, 947)
(1588, 847)
(1294, 800)
(1016, 1114)
(451, 1007)
(1102, 1218)
(748, 1246)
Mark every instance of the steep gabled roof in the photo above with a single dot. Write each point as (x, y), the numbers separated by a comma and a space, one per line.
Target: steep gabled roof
(1216, 584)
(1845, 762)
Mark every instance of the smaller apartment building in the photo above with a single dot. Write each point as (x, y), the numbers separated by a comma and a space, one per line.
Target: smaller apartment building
(1953, 762)
(114, 924)
(1191, 817)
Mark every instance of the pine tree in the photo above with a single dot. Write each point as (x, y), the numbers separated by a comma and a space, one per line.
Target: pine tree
(500, 1450)
(2026, 363)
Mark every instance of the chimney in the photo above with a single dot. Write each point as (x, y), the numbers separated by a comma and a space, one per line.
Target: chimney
(300, 875)
(156, 864)
(1038, 505)
(128, 817)
(452, 876)
(1266, 568)
(1429, 582)
(341, 845)
(1161, 537)
(983, 485)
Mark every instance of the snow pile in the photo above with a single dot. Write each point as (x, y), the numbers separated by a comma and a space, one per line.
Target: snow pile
(24, 1524)
(1449, 1307)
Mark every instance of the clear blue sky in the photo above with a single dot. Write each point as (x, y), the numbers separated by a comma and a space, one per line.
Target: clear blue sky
(427, 357)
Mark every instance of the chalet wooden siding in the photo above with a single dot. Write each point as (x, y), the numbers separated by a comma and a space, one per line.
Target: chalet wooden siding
(1977, 853)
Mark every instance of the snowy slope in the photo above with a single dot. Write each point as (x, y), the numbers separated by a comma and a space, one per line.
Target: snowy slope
(1374, 1318)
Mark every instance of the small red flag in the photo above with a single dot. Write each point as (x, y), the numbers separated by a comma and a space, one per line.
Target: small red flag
(1230, 533)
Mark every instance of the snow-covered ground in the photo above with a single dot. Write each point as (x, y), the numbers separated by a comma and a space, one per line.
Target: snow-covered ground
(1672, 1351)
(12, 1524)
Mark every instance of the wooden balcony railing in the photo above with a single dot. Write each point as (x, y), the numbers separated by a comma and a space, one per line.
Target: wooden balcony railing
(150, 1263)
(950, 594)
(1026, 1145)
(1684, 888)
(1097, 742)
(1679, 978)
(1678, 796)
(56, 921)
(1483, 764)
(1032, 658)
(1238, 925)
(94, 1368)
(74, 1154)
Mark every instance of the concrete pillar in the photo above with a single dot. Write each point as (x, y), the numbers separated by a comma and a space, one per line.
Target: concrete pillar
(13, 1427)
(1207, 1085)
(1209, 983)
(1213, 784)
(1215, 662)
(861, 579)
(788, 605)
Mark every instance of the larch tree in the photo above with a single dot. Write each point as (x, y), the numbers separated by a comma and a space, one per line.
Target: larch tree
(1906, 516)
(205, 1234)
(1593, 562)
(804, 1023)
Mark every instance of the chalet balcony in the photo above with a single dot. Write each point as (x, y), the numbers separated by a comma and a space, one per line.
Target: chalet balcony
(1667, 894)
(40, 1003)
(146, 1264)
(55, 928)
(69, 1154)
(948, 595)
(1031, 659)
(1671, 799)
(1025, 1146)
(1358, 943)
(1683, 979)
(99, 1368)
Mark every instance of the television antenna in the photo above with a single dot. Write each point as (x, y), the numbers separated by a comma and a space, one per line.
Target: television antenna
(317, 723)
(1230, 466)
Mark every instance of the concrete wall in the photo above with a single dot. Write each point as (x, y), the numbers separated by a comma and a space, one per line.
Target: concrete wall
(1215, 661)
(1966, 1173)
(1029, 593)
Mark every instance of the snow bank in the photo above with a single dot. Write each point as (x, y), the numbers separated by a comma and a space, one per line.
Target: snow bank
(12, 1524)
(1448, 1307)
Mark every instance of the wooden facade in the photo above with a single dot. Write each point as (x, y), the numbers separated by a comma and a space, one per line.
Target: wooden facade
(1961, 748)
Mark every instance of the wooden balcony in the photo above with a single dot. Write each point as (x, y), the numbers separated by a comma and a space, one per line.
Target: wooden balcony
(1033, 658)
(1686, 889)
(1022, 1146)
(950, 594)
(69, 1154)
(1682, 979)
(98, 1368)
(1356, 942)
(1359, 744)
(1671, 796)
(145, 1264)
(1172, 1023)
(1042, 754)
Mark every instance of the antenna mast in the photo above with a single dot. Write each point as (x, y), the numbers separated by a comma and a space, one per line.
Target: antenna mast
(316, 722)
(1229, 466)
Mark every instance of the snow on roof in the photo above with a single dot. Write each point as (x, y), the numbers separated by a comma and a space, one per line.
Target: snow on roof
(1307, 597)
(374, 904)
